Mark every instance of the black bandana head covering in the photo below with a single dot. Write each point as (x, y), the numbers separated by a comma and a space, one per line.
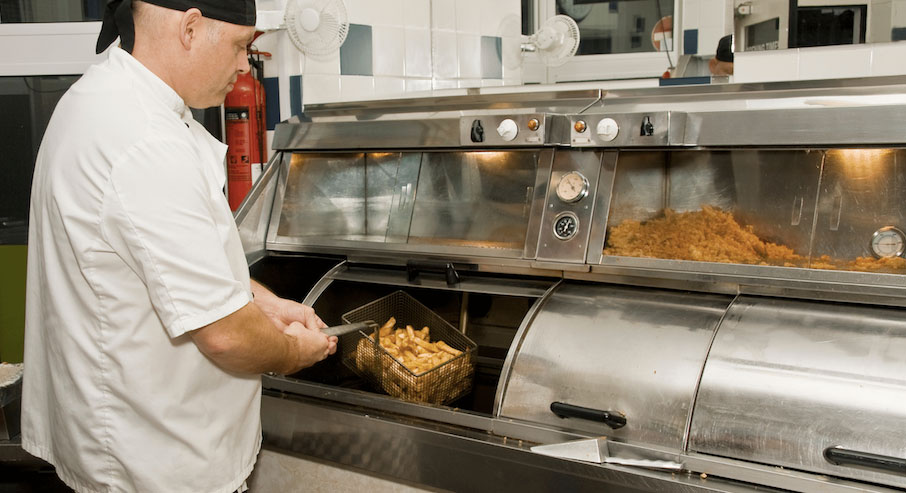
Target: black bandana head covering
(118, 17)
(725, 49)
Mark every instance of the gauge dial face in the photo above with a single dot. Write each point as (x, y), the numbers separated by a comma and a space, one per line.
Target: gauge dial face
(573, 187)
(566, 225)
(888, 242)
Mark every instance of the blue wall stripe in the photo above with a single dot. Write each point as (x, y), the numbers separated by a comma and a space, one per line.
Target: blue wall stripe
(683, 81)
(272, 98)
(690, 42)
(295, 95)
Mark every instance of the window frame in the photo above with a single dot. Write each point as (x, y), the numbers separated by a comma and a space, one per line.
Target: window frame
(54, 48)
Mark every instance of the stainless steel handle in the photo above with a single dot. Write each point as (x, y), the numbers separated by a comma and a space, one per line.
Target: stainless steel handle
(797, 211)
(846, 457)
(403, 198)
(835, 215)
(405, 192)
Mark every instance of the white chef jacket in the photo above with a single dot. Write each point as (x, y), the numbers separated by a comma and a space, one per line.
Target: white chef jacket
(132, 245)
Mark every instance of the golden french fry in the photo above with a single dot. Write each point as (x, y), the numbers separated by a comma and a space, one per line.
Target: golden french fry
(388, 325)
(410, 332)
(426, 345)
(444, 347)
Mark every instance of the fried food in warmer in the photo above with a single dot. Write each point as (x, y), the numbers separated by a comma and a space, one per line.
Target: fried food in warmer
(713, 235)
(709, 235)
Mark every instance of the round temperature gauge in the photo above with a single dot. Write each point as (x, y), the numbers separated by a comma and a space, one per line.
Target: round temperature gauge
(888, 242)
(572, 187)
(565, 225)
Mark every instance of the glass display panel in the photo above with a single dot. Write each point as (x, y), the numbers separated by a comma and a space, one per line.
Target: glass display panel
(745, 207)
(861, 212)
(475, 199)
(340, 196)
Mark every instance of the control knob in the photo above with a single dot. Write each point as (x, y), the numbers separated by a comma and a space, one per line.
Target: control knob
(507, 129)
(607, 129)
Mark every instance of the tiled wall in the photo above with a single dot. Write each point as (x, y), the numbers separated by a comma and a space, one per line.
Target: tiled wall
(824, 62)
(395, 47)
(898, 20)
(704, 22)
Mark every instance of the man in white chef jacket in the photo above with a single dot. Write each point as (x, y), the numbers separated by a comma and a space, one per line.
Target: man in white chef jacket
(145, 338)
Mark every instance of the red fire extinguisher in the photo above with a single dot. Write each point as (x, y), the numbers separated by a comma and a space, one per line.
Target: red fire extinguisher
(245, 133)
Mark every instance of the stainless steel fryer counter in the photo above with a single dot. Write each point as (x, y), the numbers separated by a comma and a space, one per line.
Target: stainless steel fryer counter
(702, 280)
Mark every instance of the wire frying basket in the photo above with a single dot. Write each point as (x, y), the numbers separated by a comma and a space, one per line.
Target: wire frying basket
(440, 384)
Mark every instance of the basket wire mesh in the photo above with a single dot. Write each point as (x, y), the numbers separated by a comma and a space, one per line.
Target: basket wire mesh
(440, 385)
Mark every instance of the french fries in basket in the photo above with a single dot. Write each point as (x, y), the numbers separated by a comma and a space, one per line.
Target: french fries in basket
(430, 380)
(413, 348)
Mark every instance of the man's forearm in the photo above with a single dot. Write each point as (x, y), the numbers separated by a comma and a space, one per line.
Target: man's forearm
(246, 341)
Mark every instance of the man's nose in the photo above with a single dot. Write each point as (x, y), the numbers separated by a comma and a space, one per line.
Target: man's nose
(244, 64)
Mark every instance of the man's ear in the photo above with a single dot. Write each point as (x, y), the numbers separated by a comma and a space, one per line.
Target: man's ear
(190, 25)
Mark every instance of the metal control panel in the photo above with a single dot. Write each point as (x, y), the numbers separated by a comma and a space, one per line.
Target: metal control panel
(531, 129)
(569, 207)
(626, 129)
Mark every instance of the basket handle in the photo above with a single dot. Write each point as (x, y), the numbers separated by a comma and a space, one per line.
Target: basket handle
(415, 267)
(341, 330)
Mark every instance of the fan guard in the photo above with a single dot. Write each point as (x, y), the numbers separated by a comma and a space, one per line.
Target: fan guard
(317, 27)
(556, 41)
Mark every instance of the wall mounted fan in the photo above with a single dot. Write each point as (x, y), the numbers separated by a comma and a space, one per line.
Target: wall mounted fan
(317, 27)
(554, 43)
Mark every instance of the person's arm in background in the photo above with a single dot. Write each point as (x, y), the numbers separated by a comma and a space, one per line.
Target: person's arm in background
(247, 341)
(282, 311)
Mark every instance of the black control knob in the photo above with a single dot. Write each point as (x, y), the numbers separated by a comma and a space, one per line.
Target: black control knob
(477, 133)
(647, 129)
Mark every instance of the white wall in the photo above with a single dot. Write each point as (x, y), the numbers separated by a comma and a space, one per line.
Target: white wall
(418, 47)
(706, 21)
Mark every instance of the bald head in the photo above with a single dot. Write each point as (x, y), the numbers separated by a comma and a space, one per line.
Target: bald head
(198, 57)
(150, 18)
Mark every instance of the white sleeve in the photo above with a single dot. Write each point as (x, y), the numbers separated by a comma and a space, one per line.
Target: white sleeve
(159, 217)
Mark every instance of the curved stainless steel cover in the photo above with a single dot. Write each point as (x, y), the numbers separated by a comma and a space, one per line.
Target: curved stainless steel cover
(787, 379)
(633, 351)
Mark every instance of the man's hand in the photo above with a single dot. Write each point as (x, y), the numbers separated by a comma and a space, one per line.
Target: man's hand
(312, 345)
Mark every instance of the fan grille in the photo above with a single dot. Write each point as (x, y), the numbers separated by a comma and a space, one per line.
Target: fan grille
(565, 32)
(333, 26)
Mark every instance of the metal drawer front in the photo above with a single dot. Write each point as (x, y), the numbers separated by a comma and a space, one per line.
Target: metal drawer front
(785, 380)
(635, 352)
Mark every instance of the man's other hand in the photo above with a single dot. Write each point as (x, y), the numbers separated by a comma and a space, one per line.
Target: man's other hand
(313, 346)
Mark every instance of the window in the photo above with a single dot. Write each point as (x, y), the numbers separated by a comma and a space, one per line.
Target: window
(619, 39)
(28, 103)
(616, 21)
(22, 11)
